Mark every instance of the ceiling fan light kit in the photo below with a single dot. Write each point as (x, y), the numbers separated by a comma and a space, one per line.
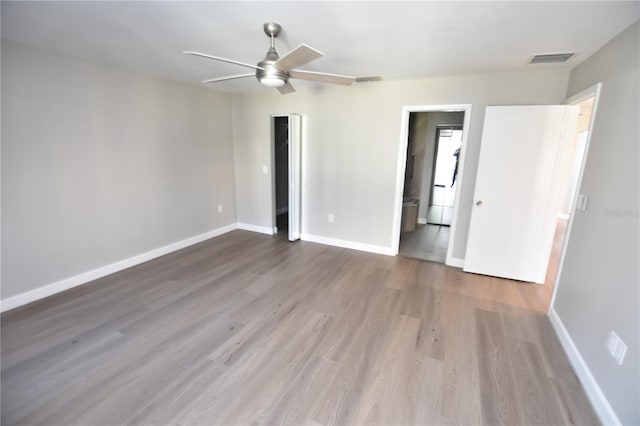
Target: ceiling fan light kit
(274, 71)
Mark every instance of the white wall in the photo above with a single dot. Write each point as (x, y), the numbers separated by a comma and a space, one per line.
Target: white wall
(599, 289)
(100, 164)
(352, 141)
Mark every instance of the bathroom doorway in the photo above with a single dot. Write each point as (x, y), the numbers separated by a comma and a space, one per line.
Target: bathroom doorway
(434, 154)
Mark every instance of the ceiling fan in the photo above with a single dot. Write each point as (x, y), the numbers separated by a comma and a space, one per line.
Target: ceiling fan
(274, 71)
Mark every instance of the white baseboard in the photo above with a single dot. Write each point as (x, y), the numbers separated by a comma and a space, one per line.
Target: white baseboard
(348, 244)
(455, 262)
(255, 228)
(85, 277)
(594, 393)
(422, 220)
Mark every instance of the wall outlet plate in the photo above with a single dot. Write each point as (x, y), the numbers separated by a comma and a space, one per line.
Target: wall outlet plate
(612, 342)
(616, 347)
(620, 352)
(330, 218)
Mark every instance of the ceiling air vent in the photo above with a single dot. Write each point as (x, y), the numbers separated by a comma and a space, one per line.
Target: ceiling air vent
(553, 58)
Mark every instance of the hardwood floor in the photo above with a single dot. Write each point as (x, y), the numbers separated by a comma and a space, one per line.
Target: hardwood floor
(251, 329)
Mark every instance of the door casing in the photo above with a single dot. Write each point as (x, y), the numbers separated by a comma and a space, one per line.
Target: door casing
(590, 92)
(294, 125)
(402, 164)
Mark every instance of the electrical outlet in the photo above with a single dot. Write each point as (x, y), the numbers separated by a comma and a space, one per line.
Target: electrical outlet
(612, 341)
(616, 347)
(265, 170)
(620, 352)
(330, 218)
(219, 208)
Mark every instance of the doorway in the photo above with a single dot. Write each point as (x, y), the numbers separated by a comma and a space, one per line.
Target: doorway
(587, 102)
(286, 136)
(433, 146)
(281, 173)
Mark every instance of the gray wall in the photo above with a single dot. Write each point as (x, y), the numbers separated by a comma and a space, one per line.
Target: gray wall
(350, 155)
(599, 286)
(100, 164)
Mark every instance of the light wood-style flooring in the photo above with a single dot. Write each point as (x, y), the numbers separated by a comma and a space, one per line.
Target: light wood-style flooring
(250, 329)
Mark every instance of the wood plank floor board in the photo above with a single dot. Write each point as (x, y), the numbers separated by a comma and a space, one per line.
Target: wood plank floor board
(170, 400)
(384, 400)
(252, 329)
(273, 376)
(301, 396)
(430, 337)
(142, 378)
(425, 388)
(500, 405)
(35, 392)
(532, 386)
(575, 407)
(461, 402)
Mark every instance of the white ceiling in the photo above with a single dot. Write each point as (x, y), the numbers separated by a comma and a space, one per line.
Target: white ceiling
(397, 40)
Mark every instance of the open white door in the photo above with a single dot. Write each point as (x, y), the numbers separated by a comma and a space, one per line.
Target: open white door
(516, 203)
(295, 141)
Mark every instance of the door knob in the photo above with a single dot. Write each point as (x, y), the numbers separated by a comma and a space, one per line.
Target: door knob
(479, 203)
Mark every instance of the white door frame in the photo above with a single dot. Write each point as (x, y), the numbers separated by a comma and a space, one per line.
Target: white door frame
(590, 92)
(294, 188)
(402, 165)
(294, 135)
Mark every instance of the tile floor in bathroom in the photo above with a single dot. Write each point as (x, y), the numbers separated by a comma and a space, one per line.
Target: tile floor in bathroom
(427, 242)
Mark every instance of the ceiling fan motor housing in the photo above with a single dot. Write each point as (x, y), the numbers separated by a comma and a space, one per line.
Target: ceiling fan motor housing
(269, 69)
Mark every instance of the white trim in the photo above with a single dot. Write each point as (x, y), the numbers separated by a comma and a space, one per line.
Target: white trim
(597, 398)
(455, 262)
(422, 220)
(593, 91)
(348, 244)
(85, 277)
(254, 228)
(402, 164)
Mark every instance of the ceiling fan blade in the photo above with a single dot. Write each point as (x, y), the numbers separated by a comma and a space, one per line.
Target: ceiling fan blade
(287, 88)
(322, 77)
(368, 78)
(299, 56)
(229, 77)
(217, 58)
